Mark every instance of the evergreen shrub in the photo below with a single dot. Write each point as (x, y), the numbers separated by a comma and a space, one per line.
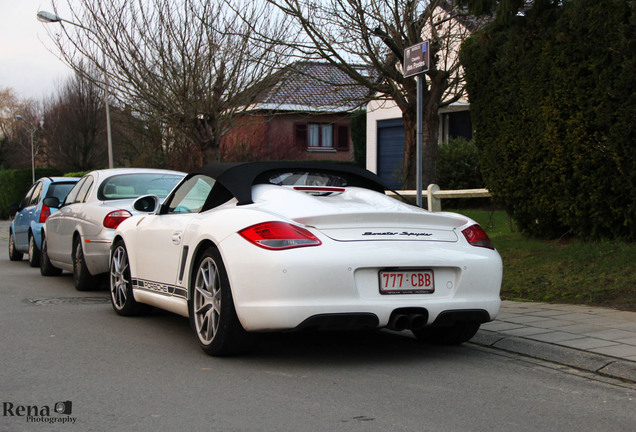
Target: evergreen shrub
(552, 101)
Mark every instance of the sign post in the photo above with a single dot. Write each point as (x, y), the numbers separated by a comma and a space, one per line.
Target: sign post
(416, 63)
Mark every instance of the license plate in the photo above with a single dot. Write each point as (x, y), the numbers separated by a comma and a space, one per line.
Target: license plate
(407, 282)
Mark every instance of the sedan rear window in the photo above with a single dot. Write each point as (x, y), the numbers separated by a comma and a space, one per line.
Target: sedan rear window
(127, 186)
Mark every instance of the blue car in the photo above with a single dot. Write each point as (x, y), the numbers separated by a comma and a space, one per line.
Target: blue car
(26, 228)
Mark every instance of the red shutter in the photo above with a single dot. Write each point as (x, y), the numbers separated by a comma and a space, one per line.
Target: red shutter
(342, 137)
(300, 135)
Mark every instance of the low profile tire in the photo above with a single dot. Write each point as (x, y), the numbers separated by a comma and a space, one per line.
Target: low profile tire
(14, 255)
(34, 252)
(455, 334)
(121, 294)
(82, 278)
(211, 309)
(46, 268)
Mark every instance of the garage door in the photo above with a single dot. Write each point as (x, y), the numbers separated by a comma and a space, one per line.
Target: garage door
(391, 151)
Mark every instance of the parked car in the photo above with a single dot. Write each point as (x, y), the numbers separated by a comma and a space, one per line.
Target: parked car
(282, 246)
(31, 213)
(77, 238)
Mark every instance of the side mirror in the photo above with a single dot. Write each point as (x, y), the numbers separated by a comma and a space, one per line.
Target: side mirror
(146, 204)
(52, 202)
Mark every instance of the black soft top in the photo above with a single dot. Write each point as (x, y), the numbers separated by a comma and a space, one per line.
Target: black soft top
(238, 178)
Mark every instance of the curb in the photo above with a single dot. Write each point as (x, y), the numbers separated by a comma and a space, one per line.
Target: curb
(596, 363)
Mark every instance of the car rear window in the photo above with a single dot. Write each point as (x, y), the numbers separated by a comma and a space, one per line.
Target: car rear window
(307, 178)
(59, 190)
(127, 186)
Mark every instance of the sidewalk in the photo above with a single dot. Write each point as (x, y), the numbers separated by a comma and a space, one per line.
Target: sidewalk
(594, 339)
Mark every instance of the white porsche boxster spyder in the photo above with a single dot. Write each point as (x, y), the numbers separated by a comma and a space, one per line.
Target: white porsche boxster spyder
(292, 246)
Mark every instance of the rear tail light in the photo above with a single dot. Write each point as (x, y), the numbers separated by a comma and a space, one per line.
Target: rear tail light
(44, 213)
(114, 218)
(476, 236)
(279, 236)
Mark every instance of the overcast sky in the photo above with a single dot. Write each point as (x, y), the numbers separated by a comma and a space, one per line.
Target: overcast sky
(26, 65)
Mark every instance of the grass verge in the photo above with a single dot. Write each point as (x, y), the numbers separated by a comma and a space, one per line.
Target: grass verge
(567, 271)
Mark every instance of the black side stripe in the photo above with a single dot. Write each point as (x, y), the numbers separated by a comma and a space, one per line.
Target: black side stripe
(159, 288)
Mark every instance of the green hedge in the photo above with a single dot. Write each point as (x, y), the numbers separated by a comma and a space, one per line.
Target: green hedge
(358, 126)
(458, 165)
(458, 168)
(15, 183)
(552, 101)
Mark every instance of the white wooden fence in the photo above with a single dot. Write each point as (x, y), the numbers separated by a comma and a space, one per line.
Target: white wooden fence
(434, 195)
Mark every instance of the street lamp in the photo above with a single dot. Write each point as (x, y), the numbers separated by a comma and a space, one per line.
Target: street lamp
(33, 129)
(48, 17)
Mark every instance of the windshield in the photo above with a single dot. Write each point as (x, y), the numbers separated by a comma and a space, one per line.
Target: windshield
(126, 186)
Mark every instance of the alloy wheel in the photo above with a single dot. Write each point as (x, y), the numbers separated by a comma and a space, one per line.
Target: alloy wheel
(119, 277)
(207, 301)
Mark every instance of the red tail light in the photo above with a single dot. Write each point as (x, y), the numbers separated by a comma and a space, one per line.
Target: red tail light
(44, 213)
(476, 236)
(279, 235)
(114, 218)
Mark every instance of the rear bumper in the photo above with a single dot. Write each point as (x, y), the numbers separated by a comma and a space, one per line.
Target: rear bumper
(97, 251)
(278, 290)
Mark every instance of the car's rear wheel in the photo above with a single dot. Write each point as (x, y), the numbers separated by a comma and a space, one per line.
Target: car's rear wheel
(14, 255)
(121, 294)
(454, 334)
(82, 278)
(46, 268)
(34, 253)
(211, 308)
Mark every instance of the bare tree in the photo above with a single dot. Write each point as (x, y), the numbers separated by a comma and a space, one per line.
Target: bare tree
(74, 126)
(375, 33)
(19, 121)
(188, 64)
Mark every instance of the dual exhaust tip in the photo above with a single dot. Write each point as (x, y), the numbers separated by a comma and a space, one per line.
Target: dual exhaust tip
(408, 319)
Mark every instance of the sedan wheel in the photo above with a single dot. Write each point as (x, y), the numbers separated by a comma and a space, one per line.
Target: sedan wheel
(14, 255)
(82, 278)
(46, 268)
(211, 309)
(34, 253)
(121, 294)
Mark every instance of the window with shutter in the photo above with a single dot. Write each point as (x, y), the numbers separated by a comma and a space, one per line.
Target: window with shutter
(322, 136)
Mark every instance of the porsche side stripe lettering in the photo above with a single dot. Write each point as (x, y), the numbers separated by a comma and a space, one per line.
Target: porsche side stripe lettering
(159, 288)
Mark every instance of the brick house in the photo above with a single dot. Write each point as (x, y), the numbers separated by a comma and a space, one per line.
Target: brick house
(302, 113)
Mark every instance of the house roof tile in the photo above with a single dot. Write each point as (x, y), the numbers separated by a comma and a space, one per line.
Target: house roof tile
(312, 86)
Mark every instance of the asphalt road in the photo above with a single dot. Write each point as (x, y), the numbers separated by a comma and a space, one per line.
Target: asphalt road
(148, 374)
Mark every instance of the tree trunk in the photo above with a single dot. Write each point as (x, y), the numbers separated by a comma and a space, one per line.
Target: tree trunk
(430, 123)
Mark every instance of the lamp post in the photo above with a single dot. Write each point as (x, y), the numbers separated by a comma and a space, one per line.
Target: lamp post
(33, 129)
(48, 17)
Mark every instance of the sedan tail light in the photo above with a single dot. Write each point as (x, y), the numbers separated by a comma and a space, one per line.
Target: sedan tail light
(114, 218)
(44, 213)
(476, 236)
(279, 236)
